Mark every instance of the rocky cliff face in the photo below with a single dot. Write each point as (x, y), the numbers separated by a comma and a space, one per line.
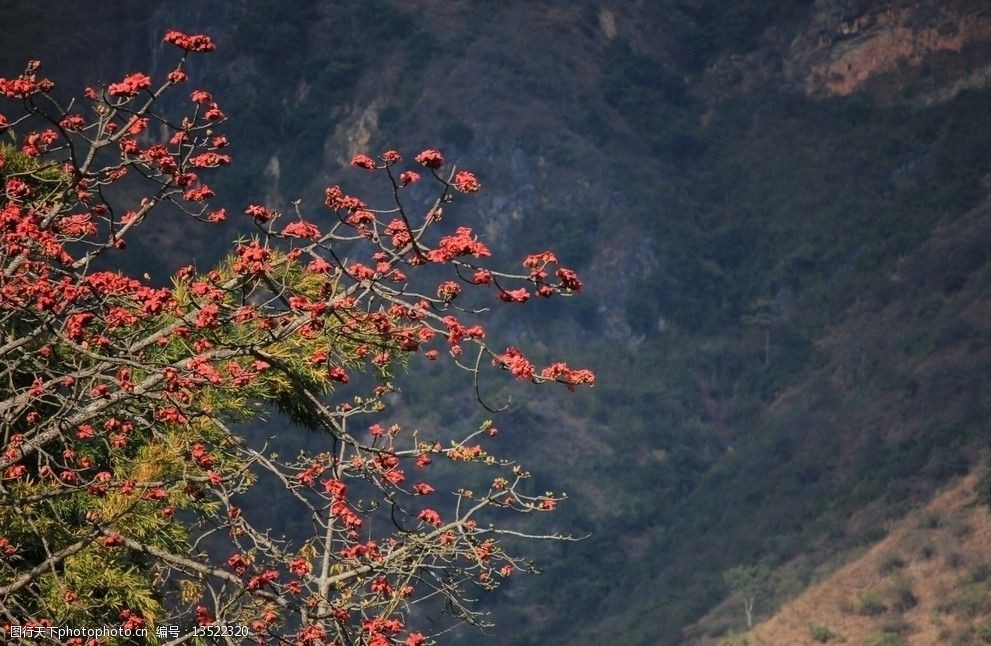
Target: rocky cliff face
(849, 43)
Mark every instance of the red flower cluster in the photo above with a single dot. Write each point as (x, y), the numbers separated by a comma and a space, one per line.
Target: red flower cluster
(259, 213)
(69, 122)
(197, 43)
(312, 635)
(466, 182)
(400, 233)
(214, 113)
(136, 126)
(210, 160)
(448, 290)
(203, 616)
(131, 85)
(198, 194)
(17, 189)
(335, 198)
(462, 243)
(160, 156)
(201, 97)
(430, 516)
(571, 378)
(301, 229)
(300, 566)
(238, 564)
(514, 295)
(251, 258)
(363, 161)
(260, 581)
(340, 509)
(24, 86)
(36, 142)
(130, 621)
(516, 362)
(538, 260)
(569, 279)
(430, 158)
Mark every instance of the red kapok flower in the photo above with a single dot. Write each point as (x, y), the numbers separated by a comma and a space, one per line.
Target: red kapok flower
(197, 43)
(261, 580)
(382, 585)
(448, 290)
(466, 182)
(514, 295)
(569, 279)
(214, 113)
(430, 158)
(300, 566)
(210, 160)
(203, 616)
(200, 96)
(131, 85)
(337, 373)
(423, 489)
(136, 126)
(538, 260)
(237, 563)
(259, 213)
(130, 621)
(198, 194)
(363, 161)
(430, 516)
(301, 229)
(462, 243)
(516, 362)
(69, 122)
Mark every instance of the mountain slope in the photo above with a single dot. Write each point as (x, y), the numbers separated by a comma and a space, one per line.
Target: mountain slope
(780, 213)
(927, 582)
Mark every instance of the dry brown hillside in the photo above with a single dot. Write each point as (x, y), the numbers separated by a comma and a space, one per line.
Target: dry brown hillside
(927, 582)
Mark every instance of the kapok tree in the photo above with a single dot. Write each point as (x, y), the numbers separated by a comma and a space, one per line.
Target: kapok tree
(121, 468)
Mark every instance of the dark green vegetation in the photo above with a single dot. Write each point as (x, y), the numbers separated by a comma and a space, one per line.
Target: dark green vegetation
(788, 297)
